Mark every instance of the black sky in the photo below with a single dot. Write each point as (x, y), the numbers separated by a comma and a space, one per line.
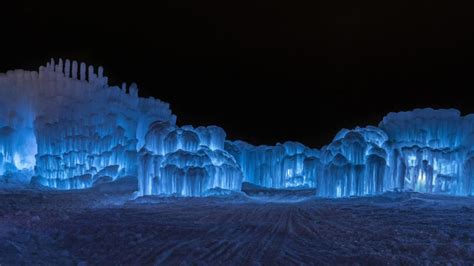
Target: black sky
(264, 70)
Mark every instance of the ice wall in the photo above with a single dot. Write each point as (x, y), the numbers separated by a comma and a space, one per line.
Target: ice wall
(67, 123)
(17, 140)
(431, 150)
(355, 163)
(290, 164)
(423, 150)
(66, 126)
(186, 161)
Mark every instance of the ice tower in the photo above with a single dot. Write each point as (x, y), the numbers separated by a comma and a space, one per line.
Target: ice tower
(67, 123)
(431, 150)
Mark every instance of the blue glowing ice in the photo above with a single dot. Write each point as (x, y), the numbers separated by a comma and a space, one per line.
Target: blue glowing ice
(71, 129)
(430, 150)
(186, 161)
(423, 150)
(290, 164)
(68, 128)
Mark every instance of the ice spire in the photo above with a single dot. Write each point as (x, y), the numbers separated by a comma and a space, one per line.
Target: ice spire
(82, 73)
(67, 68)
(74, 70)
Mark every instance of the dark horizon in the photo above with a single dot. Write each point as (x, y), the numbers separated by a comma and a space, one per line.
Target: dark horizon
(264, 71)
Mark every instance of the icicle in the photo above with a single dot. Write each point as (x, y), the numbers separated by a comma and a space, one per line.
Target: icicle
(100, 76)
(91, 74)
(74, 69)
(133, 90)
(67, 68)
(51, 64)
(82, 73)
(124, 87)
(59, 67)
(101, 72)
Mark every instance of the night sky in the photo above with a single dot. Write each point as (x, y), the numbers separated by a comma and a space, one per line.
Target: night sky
(265, 70)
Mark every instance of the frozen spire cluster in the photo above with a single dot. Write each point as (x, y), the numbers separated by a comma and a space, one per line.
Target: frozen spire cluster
(68, 128)
(290, 164)
(353, 164)
(67, 124)
(431, 150)
(422, 150)
(186, 161)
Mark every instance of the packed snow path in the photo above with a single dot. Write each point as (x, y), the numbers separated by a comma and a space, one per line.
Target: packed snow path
(101, 227)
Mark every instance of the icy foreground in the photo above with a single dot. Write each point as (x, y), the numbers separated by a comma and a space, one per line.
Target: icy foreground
(99, 226)
(64, 127)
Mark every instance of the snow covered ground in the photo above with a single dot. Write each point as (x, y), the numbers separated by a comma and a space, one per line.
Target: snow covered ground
(103, 226)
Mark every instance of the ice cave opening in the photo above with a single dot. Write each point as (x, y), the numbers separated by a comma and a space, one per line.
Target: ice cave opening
(67, 128)
(17, 149)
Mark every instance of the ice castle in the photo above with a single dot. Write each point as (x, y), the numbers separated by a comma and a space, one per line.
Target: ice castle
(64, 127)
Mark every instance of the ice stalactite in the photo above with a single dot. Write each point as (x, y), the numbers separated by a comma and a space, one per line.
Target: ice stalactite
(430, 150)
(72, 128)
(354, 163)
(423, 150)
(279, 166)
(186, 161)
(68, 127)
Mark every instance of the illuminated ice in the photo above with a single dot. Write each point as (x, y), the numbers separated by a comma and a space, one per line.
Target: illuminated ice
(186, 161)
(290, 164)
(69, 129)
(424, 150)
(431, 150)
(72, 129)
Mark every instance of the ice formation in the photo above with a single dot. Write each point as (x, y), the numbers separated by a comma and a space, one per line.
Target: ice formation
(186, 161)
(353, 164)
(290, 164)
(65, 123)
(423, 150)
(68, 128)
(431, 150)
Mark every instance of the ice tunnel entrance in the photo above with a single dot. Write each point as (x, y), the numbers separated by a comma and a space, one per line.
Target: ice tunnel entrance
(25, 159)
(18, 146)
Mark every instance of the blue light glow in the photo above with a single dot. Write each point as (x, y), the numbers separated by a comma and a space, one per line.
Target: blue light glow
(71, 130)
